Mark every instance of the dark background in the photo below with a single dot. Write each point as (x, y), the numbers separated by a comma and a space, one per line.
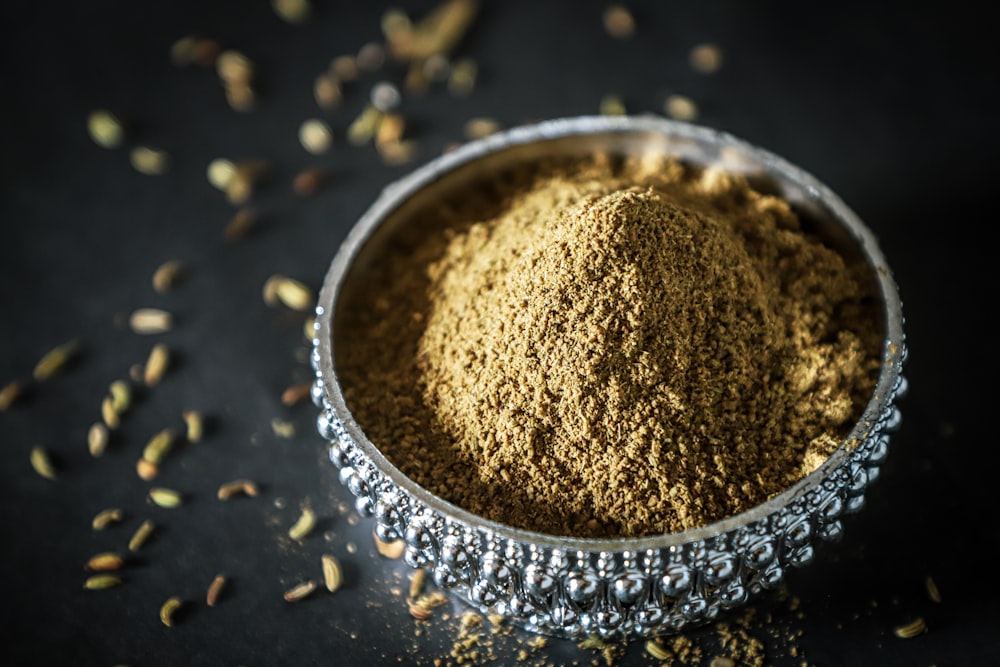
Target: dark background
(892, 106)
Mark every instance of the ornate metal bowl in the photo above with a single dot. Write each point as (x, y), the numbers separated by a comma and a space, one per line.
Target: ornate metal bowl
(610, 587)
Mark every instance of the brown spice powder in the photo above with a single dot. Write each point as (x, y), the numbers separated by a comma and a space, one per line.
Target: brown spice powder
(609, 347)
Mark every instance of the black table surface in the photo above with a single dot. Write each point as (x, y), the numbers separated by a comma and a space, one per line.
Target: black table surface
(893, 107)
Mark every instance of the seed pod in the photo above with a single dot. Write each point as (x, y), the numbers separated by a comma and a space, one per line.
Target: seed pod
(149, 161)
(10, 393)
(303, 525)
(159, 446)
(109, 414)
(333, 576)
(105, 518)
(166, 498)
(105, 562)
(101, 581)
(105, 129)
(121, 396)
(97, 439)
(296, 393)
(237, 487)
(167, 275)
(168, 610)
(215, 590)
(156, 364)
(300, 592)
(55, 360)
(141, 535)
(42, 464)
(195, 425)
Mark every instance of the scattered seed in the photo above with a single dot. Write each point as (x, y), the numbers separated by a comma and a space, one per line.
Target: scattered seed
(309, 329)
(168, 610)
(182, 51)
(167, 275)
(390, 130)
(108, 413)
(206, 52)
(910, 630)
(240, 224)
(221, 173)
(292, 11)
(156, 364)
(421, 607)
(105, 562)
(656, 650)
(315, 136)
(619, 22)
(142, 533)
(300, 592)
(612, 105)
(135, 372)
(41, 462)
(462, 79)
(332, 574)
(932, 590)
(159, 446)
(147, 470)
(720, 661)
(233, 67)
(296, 393)
(416, 79)
(705, 58)
(246, 176)
(437, 32)
(150, 321)
(364, 126)
(9, 394)
(392, 549)
(308, 181)
(344, 68)
(105, 129)
(680, 107)
(398, 153)
(215, 590)
(385, 96)
(327, 91)
(121, 396)
(303, 525)
(167, 498)
(394, 22)
(55, 360)
(437, 68)
(282, 428)
(293, 293)
(101, 581)
(237, 487)
(149, 161)
(97, 439)
(195, 425)
(420, 613)
(417, 583)
(477, 128)
(105, 518)
(592, 642)
(370, 57)
(240, 97)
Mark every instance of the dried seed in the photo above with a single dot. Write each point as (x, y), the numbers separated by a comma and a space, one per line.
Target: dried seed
(910, 630)
(195, 425)
(121, 396)
(932, 590)
(398, 153)
(55, 360)
(135, 372)
(612, 105)
(344, 68)
(240, 96)
(282, 428)
(183, 50)
(105, 129)
(168, 610)
(291, 292)
(149, 161)
(394, 22)
(240, 224)
(390, 130)
(9, 394)
(296, 393)
(215, 590)
(156, 364)
(327, 91)
(680, 107)
(159, 446)
(244, 180)
(105, 562)
(150, 321)
(300, 592)
(370, 57)
(719, 661)
(206, 52)
(105, 518)
(292, 11)
(619, 22)
(437, 68)
(97, 439)
(593, 642)
(656, 650)
(315, 136)
(417, 583)
(462, 79)
(166, 498)
(167, 275)
(477, 128)
(101, 581)
(437, 32)
(421, 607)
(705, 58)
(237, 487)
(42, 464)
(221, 173)
(147, 470)
(392, 549)
(109, 414)
(308, 181)
(142, 533)
(233, 67)
(364, 126)
(420, 613)
(416, 79)
(385, 96)
(303, 525)
(309, 329)
(332, 574)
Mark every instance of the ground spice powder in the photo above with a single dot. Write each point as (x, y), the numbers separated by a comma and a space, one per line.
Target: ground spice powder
(608, 347)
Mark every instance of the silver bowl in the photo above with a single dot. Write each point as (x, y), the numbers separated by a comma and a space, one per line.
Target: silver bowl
(626, 587)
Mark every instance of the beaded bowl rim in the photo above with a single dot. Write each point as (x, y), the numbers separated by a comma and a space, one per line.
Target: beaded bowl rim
(396, 193)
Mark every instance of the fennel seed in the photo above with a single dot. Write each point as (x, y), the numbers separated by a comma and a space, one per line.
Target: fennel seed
(301, 591)
(303, 525)
(932, 590)
(166, 498)
(105, 129)
(237, 487)
(333, 576)
(55, 360)
(167, 275)
(146, 469)
(393, 550)
(296, 393)
(215, 590)
(168, 610)
(156, 364)
(680, 107)
(105, 562)
(109, 414)
(417, 583)
(315, 136)
(195, 425)
(149, 161)
(101, 581)
(910, 630)
(121, 396)
(97, 439)
(159, 446)
(150, 321)
(619, 22)
(141, 535)
(10, 393)
(106, 517)
(41, 462)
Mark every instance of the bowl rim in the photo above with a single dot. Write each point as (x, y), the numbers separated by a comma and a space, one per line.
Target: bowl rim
(394, 194)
